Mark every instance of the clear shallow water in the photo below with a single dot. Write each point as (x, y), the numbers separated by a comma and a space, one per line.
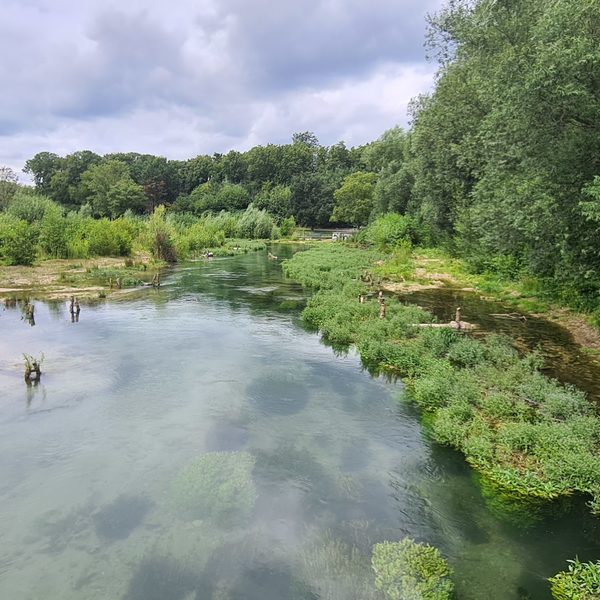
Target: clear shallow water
(217, 360)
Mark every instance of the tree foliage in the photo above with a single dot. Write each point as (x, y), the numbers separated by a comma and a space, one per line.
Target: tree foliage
(354, 199)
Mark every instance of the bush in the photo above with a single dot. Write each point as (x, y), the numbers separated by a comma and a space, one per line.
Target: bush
(18, 240)
(29, 206)
(288, 227)
(53, 233)
(108, 238)
(580, 582)
(409, 571)
(255, 224)
(466, 353)
(389, 231)
(217, 485)
(160, 236)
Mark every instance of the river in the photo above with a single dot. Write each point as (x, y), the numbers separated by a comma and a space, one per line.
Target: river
(217, 360)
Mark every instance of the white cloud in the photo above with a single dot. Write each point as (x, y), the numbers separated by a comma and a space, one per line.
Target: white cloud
(202, 77)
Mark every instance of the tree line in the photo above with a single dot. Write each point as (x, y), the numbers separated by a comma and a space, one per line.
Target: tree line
(500, 164)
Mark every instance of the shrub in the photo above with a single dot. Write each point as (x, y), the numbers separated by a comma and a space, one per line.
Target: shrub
(466, 353)
(108, 238)
(29, 206)
(18, 240)
(409, 571)
(287, 227)
(160, 236)
(389, 231)
(255, 224)
(217, 485)
(53, 233)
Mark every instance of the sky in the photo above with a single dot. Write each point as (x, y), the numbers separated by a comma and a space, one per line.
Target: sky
(190, 77)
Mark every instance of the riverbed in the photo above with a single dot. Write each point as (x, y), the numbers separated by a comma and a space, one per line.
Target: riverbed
(217, 361)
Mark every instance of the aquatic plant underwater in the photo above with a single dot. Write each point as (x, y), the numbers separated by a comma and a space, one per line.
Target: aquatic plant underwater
(217, 486)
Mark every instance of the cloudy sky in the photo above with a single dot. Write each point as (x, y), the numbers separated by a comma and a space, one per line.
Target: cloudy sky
(187, 77)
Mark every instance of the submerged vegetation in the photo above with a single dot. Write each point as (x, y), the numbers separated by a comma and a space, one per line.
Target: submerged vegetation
(528, 436)
(216, 486)
(406, 570)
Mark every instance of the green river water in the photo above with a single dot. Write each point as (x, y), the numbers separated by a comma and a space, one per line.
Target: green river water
(217, 360)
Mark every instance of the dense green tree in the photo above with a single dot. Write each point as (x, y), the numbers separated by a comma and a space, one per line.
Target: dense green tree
(65, 184)
(99, 180)
(504, 152)
(193, 172)
(125, 195)
(354, 199)
(42, 167)
(311, 198)
(274, 199)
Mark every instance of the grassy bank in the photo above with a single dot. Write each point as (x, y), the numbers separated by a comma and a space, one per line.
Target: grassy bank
(408, 269)
(529, 437)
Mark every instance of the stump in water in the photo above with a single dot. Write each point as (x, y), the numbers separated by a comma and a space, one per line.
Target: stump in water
(271, 256)
(29, 312)
(382, 309)
(74, 309)
(33, 369)
(156, 281)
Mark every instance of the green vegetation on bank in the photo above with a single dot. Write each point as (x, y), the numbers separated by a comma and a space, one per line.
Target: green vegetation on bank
(581, 581)
(33, 227)
(530, 438)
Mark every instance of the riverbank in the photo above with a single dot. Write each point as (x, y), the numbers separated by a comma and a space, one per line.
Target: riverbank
(85, 278)
(410, 270)
(93, 278)
(530, 438)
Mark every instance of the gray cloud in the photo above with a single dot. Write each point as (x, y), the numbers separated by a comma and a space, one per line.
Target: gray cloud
(204, 76)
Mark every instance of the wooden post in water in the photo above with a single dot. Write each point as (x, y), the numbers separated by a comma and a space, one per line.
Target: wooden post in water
(74, 309)
(30, 313)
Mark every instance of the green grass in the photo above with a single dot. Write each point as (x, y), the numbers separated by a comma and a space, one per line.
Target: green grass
(529, 437)
(581, 581)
